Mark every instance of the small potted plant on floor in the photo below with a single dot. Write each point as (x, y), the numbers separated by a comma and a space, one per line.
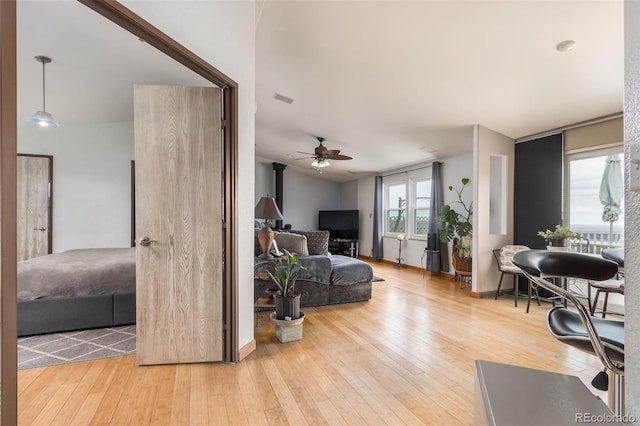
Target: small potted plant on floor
(457, 226)
(284, 272)
(558, 237)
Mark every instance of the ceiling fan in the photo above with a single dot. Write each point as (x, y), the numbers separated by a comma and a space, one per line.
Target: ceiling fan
(322, 155)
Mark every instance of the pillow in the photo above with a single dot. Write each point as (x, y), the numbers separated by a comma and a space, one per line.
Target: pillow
(317, 241)
(293, 243)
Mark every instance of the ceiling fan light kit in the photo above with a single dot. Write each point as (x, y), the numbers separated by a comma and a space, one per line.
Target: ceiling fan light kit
(43, 118)
(322, 155)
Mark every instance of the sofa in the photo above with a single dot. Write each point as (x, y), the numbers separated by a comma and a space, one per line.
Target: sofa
(327, 279)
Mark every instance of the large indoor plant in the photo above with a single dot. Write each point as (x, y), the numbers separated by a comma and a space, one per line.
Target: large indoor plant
(558, 237)
(456, 225)
(284, 271)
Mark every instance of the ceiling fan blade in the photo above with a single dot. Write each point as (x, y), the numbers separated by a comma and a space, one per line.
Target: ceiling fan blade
(303, 158)
(307, 153)
(340, 157)
(331, 152)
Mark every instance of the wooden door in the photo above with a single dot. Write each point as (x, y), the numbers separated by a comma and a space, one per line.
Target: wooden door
(179, 297)
(34, 206)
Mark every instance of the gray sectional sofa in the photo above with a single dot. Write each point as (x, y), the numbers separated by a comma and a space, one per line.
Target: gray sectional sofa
(327, 279)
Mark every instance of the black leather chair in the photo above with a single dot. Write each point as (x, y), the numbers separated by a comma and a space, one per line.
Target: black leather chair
(601, 337)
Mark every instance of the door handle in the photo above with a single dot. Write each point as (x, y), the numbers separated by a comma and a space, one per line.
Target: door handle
(145, 241)
(40, 229)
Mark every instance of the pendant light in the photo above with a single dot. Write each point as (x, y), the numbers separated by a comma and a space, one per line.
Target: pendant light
(43, 118)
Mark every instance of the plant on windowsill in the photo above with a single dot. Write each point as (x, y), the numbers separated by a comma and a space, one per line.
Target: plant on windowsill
(457, 226)
(558, 237)
(284, 271)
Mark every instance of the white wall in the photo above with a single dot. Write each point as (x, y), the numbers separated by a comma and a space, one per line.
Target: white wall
(303, 194)
(91, 182)
(349, 195)
(265, 180)
(485, 271)
(366, 192)
(223, 34)
(453, 170)
(632, 206)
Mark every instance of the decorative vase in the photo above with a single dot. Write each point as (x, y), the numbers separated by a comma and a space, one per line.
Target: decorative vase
(287, 307)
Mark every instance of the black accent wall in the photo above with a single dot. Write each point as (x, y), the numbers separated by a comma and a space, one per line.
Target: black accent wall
(538, 188)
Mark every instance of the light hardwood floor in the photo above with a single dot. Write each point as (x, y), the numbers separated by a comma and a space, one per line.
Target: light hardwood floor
(405, 357)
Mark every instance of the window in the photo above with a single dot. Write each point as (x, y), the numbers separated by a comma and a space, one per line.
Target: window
(407, 207)
(420, 207)
(395, 211)
(596, 201)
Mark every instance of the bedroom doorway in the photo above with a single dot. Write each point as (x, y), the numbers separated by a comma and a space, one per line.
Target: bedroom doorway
(34, 175)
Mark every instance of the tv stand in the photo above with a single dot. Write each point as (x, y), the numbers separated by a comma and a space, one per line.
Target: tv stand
(344, 246)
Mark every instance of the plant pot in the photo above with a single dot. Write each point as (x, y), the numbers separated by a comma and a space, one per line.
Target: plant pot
(557, 242)
(287, 307)
(463, 263)
(288, 331)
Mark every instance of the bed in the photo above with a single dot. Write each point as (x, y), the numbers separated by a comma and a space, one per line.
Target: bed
(77, 289)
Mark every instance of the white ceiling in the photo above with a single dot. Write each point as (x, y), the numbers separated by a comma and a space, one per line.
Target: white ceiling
(388, 83)
(400, 82)
(94, 64)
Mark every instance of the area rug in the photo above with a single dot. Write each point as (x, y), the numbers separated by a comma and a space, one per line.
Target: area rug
(74, 346)
(376, 279)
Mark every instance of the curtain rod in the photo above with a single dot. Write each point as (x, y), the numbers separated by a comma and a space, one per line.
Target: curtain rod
(569, 127)
(411, 170)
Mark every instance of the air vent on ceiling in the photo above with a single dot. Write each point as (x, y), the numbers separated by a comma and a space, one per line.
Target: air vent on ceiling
(283, 98)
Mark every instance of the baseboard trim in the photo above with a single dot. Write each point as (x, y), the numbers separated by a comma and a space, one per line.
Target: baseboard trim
(389, 262)
(483, 294)
(246, 350)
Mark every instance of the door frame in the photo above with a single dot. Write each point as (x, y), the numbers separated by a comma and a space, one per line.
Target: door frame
(133, 23)
(136, 25)
(50, 206)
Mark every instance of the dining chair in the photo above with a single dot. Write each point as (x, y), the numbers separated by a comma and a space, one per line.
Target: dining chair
(504, 258)
(609, 286)
(601, 337)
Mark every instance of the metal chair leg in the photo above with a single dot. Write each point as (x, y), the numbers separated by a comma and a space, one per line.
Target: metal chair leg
(499, 285)
(515, 289)
(595, 302)
(606, 301)
(616, 396)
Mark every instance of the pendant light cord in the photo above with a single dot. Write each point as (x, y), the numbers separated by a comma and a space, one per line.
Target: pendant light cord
(43, 83)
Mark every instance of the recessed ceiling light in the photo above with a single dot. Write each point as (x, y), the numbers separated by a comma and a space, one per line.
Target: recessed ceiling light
(283, 98)
(566, 45)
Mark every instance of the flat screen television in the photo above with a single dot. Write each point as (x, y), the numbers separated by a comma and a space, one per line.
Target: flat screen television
(340, 223)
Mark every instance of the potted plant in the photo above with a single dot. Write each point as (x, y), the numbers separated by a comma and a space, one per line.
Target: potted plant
(558, 237)
(284, 271)
(457, 226)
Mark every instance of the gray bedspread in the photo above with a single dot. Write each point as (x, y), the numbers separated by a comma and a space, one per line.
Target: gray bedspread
(82, 272)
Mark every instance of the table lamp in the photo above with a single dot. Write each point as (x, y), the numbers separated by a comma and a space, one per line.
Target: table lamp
(266, 209)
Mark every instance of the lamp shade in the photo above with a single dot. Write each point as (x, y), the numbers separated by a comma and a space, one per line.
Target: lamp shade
(267, 209)
(43, 118)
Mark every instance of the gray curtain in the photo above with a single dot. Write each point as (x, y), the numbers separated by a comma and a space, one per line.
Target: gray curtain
(377, 253)
(433, 238)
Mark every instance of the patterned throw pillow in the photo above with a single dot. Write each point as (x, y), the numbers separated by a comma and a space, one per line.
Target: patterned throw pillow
(317, 241)
(293, 243)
